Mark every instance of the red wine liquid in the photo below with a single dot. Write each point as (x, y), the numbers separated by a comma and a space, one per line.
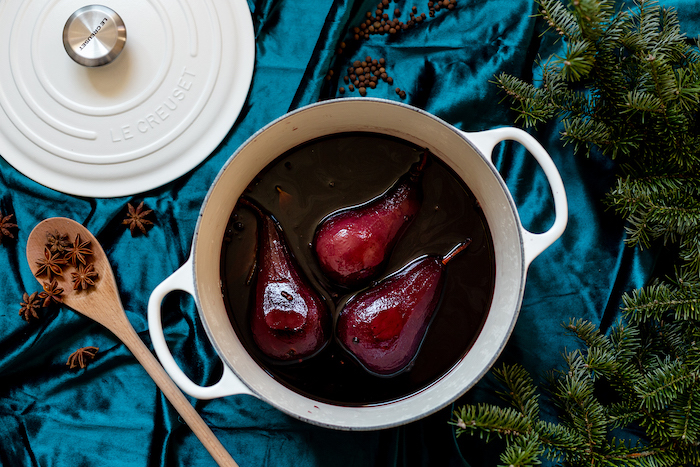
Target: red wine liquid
(309, 182)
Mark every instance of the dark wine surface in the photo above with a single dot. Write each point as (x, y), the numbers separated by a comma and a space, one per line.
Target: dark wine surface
(309, 182)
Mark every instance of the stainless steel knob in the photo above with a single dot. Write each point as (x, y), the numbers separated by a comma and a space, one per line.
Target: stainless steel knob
(94, 35)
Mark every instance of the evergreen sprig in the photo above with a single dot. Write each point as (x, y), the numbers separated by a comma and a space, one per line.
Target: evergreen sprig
(660, 396)
(626, 85)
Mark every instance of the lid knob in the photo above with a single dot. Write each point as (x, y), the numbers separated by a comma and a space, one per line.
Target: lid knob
(94, 35)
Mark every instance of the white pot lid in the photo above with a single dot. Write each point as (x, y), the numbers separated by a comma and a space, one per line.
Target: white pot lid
(155, 110)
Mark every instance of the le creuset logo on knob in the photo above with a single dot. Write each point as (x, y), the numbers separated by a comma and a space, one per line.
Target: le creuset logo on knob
(94, 33)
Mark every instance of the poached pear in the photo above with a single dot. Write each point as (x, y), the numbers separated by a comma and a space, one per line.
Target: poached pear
(384, 325)
(352, 245)
(289, 319)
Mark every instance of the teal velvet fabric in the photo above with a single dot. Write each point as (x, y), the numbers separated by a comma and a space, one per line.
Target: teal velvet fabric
(112, 414)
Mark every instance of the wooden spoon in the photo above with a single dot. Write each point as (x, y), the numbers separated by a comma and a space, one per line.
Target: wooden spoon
(101, 303)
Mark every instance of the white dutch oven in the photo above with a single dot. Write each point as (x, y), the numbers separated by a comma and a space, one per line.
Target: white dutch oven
(468, 154)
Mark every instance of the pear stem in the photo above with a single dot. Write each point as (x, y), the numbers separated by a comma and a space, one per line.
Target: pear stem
(417, 168)
(423, 161)
(455, 251)
(253, 206)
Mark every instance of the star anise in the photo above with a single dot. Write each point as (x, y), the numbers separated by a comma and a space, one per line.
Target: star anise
(57, 242)
(136, 218)
(29, 306)
(51, 264)
(84, 277)
(51, 294)
(6, 226)
(77, 252)
(82, 356)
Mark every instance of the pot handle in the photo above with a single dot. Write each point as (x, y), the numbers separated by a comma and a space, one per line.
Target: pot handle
(533, 243)
(183, 280)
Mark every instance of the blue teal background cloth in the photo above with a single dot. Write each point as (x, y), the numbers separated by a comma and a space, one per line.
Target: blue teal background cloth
(112, 414)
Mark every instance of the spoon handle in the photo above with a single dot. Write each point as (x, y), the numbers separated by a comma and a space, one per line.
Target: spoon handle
(177, 399)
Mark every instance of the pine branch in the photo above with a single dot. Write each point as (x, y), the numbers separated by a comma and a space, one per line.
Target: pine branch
(489, 420)
(589, 334)
(657, 208)
(524, 451)
(592, 17)
(658, 301)
(642, 102)
(578, 60)
(625, 341)
(689, 254)
(559, 441)
(585, 133)
(623, 414)
(564, 102)
(559, 18)
(663, 385)
(574, 394)
(620, 454)
(521, 391)
(662, 76)
(688, 88)
(683, 415)
(527, 100)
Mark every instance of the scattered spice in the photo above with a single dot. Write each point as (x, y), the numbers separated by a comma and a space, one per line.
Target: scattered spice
(367, 73)
(84, 277)
(57, 242)
(81, 357)
(136, 218)
(6, 227)
(29, 306)
(76, 253)
(379, 22)
(52, 293)
(51, 265)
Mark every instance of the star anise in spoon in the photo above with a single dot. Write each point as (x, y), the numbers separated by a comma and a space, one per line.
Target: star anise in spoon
(50, 264)
(52, 293)
(77, 251)
(136, 218)
(81, 357)
(57, 242)
(6, 226)
(29, 306)
(84, 276)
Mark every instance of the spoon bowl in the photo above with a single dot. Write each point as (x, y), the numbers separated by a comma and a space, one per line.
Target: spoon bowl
(100, 302)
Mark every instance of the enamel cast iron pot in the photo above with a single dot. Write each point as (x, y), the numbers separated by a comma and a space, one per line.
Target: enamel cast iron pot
(468, 154)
